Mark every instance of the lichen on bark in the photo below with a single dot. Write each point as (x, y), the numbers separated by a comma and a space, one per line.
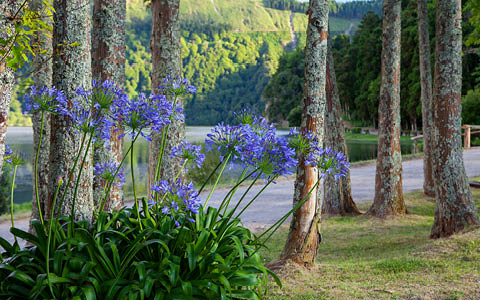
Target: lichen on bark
(454, 208)
(71, 69)
(304, 235)
(337, 198)
(426, 97)
(8, 8)
(388, 180)
(108, 62)
(166, 60)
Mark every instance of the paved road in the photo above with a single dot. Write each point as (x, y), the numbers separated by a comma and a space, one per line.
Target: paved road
(277, 199)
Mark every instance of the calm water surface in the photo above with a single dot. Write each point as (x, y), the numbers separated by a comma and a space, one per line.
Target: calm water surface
(20, 139)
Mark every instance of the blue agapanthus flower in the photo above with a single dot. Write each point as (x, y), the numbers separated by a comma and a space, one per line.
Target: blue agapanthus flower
(14, 158)
(106, 172)
(176, 86)
(175, 198)
(102, 97)
(45, 99)
(305, 143)
(145, 115)
(333, 163)
(190, 153)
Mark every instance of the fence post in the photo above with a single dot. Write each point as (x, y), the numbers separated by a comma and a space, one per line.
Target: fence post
(466, 140)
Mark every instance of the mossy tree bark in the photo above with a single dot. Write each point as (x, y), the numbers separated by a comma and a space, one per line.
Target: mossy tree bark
(454, 208)
(166, 60)
(108, 62)
(8, 9)
(304, 235)
(426, 97)
(388, 181)
(42, 77)
(337, 198)
(71, 69)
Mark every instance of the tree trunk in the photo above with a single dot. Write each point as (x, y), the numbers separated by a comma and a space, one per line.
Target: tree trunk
(388, 181)
(71, 69)
(166, 60)
(426, 97)
(108, 62)
(42, 77)
(304, 235)
(8, 8)
(455, 208)
(337, 199)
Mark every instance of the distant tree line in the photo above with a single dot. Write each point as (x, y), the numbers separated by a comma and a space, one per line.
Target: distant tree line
(349, 10)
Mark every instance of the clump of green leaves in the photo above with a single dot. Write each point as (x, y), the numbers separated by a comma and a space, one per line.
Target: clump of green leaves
(117, 259)
(25, 25)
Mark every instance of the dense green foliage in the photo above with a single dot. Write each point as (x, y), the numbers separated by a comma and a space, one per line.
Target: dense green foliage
(212, 258)
(471, 107)
(230, 49)
(349, 10)
(358, 65)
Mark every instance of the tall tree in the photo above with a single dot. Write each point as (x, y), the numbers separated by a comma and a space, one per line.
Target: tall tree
(388, 181)
(108, 62)
(42, 77)
(304, 236)
(8, 9)
(166, 60)
(426, 97)
(71, 69)
(338, 193)
(455, 208)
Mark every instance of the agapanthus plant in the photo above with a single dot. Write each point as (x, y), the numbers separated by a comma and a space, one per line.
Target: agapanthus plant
(145, 115)
(175, 199)
(14, 159)
(189, 153)
(44, 99)
(173, 231)
(176, 86)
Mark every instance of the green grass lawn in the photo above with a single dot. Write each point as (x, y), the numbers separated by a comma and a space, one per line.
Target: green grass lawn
(368, 258)
(373, 138)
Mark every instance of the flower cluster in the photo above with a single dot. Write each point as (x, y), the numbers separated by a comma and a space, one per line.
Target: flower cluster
(175, 198)
(189, 153)
(177, 86)
(254, 143)
(13, 158)
(305, 143)
(45, 100)
(106, 172)
(145, 115)
(333, 163)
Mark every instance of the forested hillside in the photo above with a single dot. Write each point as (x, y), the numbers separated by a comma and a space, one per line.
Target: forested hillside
(357, 65)
(230, 49)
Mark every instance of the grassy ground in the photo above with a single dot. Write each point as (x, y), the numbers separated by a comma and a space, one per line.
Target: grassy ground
(368, 258)
(372, 138)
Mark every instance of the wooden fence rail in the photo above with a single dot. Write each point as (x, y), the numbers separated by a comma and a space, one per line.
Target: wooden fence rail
(466, 141)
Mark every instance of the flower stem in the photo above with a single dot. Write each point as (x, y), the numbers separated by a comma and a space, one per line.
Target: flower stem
(79, 176)
(71, 174)
(11, 197)
(218, 179)
(35, 166)
(47, 254)
(234, 190)
(253, 199)
(133, 185)
(107, 194)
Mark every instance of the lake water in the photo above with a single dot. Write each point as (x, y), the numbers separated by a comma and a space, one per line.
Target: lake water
(20, 139)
